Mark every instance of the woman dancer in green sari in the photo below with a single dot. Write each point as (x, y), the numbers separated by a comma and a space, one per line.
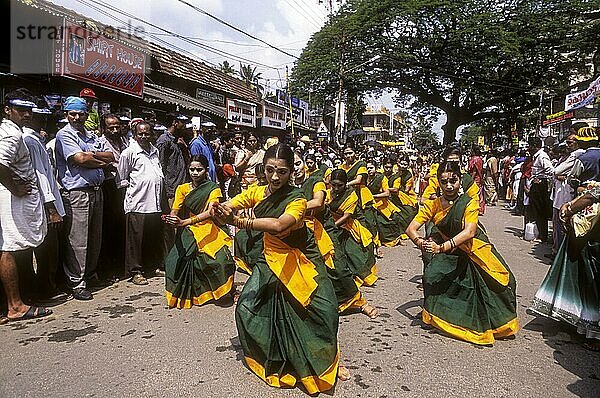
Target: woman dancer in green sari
(402, 193)
(355, 239)
(470, 293)
(390, 223)
(199, 267)
(286, 315)
(318, 218)
(356, 170)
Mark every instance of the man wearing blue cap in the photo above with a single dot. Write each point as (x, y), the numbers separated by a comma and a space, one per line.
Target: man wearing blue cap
(81, 160)
(22, 219)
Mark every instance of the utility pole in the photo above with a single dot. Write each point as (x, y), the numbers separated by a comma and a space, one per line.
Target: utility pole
(287, 80)
(338, 113)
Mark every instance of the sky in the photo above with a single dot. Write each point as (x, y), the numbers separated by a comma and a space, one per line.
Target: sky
(286, 24)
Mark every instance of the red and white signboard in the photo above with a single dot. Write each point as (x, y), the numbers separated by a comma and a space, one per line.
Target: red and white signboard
(91, 57)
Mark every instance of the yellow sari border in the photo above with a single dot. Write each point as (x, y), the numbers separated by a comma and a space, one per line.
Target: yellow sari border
(357, 301)
(313, 384)
(242, 265)
(174, 302)
(395, 242)
(372, 278)
(471, 336)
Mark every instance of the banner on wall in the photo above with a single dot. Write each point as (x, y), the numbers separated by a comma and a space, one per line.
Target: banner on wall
(241, 113)
(582, 98)
(273, 116)
(94, 58)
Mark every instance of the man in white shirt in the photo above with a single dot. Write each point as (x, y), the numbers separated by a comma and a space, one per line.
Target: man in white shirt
(140, 171)
(46, 254)
(563, 192)
(22, 218)
(542, 172)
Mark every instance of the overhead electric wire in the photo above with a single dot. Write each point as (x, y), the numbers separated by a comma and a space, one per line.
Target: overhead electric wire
(206, 47)
(230, 42)
(300, 11)
(164, 42)
(306, 11)
(454, 76)
(200, 10)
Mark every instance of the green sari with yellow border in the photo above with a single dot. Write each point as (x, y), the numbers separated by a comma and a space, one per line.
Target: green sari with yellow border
(403, 202)
(392, 225)
(286, 315)
(365, 198)
(346, 291)
(470, 293)
(199, 267)
(361, 255)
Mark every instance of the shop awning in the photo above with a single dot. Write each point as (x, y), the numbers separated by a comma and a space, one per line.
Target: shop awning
(154, 93)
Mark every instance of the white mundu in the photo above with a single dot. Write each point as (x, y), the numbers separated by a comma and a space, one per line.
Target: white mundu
(22, 220)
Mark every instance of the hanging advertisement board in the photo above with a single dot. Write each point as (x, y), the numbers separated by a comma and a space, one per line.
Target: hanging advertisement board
(241, 113)
(90, 57)
(582, 98)
(273, 116)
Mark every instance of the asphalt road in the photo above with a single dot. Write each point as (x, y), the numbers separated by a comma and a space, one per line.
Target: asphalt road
(126, 343)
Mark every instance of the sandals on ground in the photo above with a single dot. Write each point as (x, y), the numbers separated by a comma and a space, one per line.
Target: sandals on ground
(32, 313)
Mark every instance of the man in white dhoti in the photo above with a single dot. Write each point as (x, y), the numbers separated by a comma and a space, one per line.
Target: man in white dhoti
(22, 218)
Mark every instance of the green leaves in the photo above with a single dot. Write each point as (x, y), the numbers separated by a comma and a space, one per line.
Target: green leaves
(473, 60)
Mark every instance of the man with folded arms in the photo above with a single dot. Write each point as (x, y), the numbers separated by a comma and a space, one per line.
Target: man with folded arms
(81, 160)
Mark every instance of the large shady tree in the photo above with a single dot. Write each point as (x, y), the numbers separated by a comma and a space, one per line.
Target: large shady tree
(470, 59)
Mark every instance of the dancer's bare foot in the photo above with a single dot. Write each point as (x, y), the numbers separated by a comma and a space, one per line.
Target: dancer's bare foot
(370, 311)
(343, 373)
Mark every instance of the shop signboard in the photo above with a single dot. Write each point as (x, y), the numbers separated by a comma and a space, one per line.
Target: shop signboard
(582, 98)
(241, 113)
(557, 118)
(282, 98)
(297, 115)
(273, 116)
(91, 57)
(299, 107)
(210, 96)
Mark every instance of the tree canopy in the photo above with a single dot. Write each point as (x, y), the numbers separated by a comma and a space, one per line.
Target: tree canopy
(423, 137)
(471, 59)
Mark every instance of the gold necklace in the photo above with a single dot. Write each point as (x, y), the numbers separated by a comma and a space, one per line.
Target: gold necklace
(451, 201)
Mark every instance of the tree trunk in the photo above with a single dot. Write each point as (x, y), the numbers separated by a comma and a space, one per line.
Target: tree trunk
(452, 124)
